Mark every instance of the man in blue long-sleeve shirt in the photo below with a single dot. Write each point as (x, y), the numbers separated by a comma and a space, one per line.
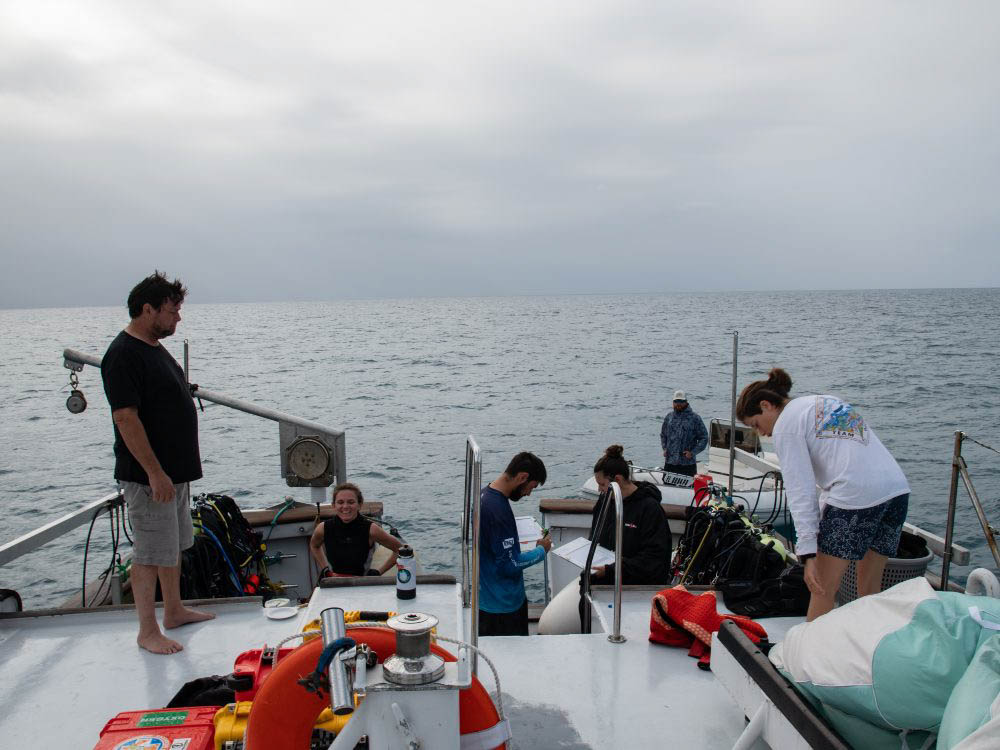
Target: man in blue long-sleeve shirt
(503, 607)
(683, 436)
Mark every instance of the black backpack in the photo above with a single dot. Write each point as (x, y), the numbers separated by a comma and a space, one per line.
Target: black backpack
(782, 596)
(719, 544)
(226, 559)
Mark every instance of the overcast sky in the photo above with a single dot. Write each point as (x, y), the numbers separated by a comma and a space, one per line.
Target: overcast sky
(332, 149)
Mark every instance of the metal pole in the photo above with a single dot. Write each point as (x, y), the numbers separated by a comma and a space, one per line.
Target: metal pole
(466, 529)
(333, 627)
(72, 358)
(187, 361)
(476, 491)
(55, 529)
(949, 528)
(987, 529)
(732, 418)
(616, 636)
(603, 503)
(71, 355)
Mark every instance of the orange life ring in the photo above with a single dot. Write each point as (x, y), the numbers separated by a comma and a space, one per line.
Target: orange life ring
(283, 713)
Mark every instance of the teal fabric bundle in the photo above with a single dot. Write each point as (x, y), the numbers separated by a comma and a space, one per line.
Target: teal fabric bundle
(900, 668)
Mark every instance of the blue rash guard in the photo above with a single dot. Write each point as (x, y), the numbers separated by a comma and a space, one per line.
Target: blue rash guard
(501, 562)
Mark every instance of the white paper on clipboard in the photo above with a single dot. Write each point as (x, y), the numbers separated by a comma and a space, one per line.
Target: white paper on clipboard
(528, 529)
(576, 553)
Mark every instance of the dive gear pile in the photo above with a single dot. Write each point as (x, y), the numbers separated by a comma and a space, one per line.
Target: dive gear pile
(227, 558)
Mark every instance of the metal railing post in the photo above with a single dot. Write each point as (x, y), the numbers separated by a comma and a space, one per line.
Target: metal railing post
(603, 503)
(949, 528)
(470, 541)
(616, 636)
(466, 526)
(732, 419)
(586, 626)
(980, 513)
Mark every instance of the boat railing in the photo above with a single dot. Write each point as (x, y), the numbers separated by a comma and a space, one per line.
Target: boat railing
(314, 440)
(960, 469)
(470, 541)
(54, 529)
(605, 502)
(667, 478)
(86, 514)
(295, 434)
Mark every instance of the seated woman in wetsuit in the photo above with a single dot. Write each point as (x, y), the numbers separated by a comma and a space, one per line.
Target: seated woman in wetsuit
(340, 546)
(646, 544)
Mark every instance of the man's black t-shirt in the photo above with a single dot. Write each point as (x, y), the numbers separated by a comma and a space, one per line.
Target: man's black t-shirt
(148, 378)
(347, 545)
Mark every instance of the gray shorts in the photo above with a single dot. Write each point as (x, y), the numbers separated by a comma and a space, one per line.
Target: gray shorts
(160, 531)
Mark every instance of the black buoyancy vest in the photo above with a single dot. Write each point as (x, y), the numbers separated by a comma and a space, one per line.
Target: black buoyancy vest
(347, 545)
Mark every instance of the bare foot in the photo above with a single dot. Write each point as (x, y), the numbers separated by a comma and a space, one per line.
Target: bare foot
(183, 616)
(157, 643)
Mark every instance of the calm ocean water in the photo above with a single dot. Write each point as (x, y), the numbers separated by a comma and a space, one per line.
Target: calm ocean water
(561, 376)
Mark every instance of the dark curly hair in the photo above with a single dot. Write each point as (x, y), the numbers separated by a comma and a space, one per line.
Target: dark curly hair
(773, 390)
(154, 290)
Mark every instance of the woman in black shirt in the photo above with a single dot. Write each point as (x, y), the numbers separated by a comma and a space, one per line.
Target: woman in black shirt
(646, 540)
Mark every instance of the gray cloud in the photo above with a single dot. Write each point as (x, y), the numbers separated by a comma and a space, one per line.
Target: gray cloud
(356, 149)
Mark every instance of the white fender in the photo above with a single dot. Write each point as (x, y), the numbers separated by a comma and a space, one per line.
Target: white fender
(562, 614)
(982, 582)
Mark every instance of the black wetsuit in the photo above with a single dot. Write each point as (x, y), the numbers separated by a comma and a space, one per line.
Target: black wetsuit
(347, 545)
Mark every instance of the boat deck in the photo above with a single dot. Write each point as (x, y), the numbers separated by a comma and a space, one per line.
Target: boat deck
(65, 675)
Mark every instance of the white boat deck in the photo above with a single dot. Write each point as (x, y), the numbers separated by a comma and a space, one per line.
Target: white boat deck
(582, 691)
(66, 675)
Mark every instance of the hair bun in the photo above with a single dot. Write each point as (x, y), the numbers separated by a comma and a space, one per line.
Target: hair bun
(780, 381)
(615, 451)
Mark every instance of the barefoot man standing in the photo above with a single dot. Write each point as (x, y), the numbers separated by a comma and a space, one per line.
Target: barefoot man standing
(156, 453)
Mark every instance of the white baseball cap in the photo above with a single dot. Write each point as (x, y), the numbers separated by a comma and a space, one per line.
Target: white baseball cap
(680, 396)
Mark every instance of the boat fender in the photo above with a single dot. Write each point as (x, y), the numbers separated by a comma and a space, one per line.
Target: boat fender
(283, 714)
(562, 614)
(10, 601)
(983, 582)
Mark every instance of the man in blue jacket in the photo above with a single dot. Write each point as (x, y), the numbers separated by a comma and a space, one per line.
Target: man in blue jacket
(683, 436)
(503, 606)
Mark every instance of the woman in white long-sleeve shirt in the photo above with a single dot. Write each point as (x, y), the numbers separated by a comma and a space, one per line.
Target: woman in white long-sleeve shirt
(847, 495)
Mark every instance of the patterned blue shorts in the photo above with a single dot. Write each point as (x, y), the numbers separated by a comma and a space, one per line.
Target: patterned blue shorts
(849, 534)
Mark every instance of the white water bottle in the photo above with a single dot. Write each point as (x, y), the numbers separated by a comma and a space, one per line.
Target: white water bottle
(406, 573)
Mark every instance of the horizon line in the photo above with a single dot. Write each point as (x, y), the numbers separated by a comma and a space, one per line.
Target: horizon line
(628, 293)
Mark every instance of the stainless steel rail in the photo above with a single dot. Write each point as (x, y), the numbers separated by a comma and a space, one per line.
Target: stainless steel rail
(959, 469)
(54, 529)
(75, 360)
(616, 492)
(470, 541)
(732, 418)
